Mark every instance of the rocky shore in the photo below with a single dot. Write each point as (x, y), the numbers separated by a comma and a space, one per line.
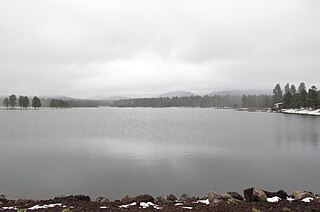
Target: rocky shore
(253, 200)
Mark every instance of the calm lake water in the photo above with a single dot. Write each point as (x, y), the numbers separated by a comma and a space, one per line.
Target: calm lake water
(114, 151)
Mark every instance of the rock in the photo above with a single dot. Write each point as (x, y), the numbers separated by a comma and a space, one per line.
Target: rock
(127, 199)
(144, 198)
(254, 195)
(82, 198)
(236, 195)
(71, 198)
(232, 201)
(248, 194)
(184, 197)
(163, 198)
(225, 196)
(298, 195)
(171, 197)
(2, 197)
(102, 200)
(259, 195)
(281, 193)
(194, 199)
(213, 198)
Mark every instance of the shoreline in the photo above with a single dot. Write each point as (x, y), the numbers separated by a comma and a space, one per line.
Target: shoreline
(302, 112)
(253, 199)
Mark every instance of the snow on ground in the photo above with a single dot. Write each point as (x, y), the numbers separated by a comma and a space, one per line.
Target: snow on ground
(126, 206)
(9, 208)
(308, 199)
(290, 199)
(204, 201)
(142, 204)
(187, 207)
(302, 112)
(146, 205)
(36, 207)
(273, 199)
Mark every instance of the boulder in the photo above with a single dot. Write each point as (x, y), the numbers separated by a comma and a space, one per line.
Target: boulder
(82, 198)
(254, 195)
(166, 198)
(213, 198)
(127, 199)
(236, 195)
(194, 199)
(281, 193)
(71, 198)
(248, 194)
(144, 198)
(259, 195)
(102, 200)
(226, 196)
(184, 197)
(298, 195)
(171, 197)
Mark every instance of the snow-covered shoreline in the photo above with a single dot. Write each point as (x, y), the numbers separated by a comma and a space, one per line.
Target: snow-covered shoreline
(302, 112)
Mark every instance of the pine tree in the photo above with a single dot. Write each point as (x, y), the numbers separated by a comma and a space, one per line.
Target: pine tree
(302, 96)
(20, 101)
(277, 94)
(313, 97)
(12, 101)
(36, 103)
(6, 102)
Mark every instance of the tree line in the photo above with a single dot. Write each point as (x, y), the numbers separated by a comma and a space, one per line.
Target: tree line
(297, 98)
(218, 101)
(55, 103)
(22, 101)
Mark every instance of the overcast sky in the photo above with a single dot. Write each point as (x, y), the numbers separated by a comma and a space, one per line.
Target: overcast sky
(146, 47)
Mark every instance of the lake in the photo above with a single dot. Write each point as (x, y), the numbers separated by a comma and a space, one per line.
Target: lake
(114, 151)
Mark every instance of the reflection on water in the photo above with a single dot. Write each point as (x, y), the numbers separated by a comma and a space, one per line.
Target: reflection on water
(294, 129)
(114, 151)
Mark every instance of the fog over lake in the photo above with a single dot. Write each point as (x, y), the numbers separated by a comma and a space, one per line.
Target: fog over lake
(115, 151)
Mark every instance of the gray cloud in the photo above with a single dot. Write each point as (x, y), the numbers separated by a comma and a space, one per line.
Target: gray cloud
(83, 48)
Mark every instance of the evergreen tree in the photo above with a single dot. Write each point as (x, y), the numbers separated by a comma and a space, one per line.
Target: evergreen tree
(36, 103)
(277, 94)
(20, 101)
(6, 102)
(25, 102)
(313, 97)
(302, 96)
(287, 100)
(286, 88)
(293, 90)
(12, 101)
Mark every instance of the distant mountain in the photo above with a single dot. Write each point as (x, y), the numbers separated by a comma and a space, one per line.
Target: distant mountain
(176, 94)
(109, 98)
(241, 92)
(55, 97)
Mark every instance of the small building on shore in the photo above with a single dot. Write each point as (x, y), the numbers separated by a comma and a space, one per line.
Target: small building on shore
(278, 106)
